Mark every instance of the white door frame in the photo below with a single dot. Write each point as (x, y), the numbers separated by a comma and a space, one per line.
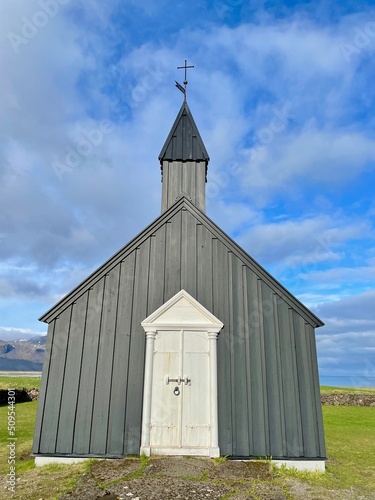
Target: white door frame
(181, 312)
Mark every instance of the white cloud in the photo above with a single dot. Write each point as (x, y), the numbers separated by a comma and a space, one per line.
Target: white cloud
(346, 344)
(302, 243)
(293, 161)
(357, 308)
(343, 276)
(13, 333)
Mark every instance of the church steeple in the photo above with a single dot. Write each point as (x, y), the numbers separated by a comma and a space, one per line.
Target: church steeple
(184, 162)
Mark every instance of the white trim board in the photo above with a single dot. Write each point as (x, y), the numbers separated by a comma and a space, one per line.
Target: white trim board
(302, 465)
(40, 461)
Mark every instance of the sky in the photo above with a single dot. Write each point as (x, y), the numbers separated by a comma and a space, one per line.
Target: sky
(283, 96)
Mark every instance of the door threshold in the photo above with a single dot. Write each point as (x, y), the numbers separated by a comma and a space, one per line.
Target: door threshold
(199, 451)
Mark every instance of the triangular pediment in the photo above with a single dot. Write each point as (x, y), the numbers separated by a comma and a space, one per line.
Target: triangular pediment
(182, 311)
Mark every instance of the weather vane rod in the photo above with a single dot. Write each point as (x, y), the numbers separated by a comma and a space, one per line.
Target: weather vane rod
(180, 87)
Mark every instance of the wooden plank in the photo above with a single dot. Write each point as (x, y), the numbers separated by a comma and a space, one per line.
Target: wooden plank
(188, 253)
(174, 182)
(293, 444)
(238, 361)
(272, 386)
(189, 180)
(321, 449)
(297, 387)
(193, 188)
(120, 375)
(69, 398)
(157, 271)
(221, 311)
(257, 368)
(279, 376)
(305, 388)
(204, 268)
(173, 257)
(170, 186)
(186, 170)
(230, 347)
(137, 351)
(103, 382)
(82, 430)
(43, 388)
(164, 190)
(247, 349)
(200, 185)
(55, 380)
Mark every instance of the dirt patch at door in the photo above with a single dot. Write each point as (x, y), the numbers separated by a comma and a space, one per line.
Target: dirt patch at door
(193, 478)
(172, 478)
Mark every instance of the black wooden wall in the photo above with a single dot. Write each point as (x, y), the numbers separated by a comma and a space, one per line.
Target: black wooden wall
(92, 384)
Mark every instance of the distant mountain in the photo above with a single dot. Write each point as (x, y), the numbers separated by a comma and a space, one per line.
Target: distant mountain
(12, 334)
(22, 355)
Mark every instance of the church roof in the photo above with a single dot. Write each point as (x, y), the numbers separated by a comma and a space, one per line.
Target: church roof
(217, 233)
(184, 142)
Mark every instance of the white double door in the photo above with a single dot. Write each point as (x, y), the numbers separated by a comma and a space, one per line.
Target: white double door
(180, 402)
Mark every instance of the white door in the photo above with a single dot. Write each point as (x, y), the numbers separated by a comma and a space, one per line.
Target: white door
(180, 401)
(180, 411)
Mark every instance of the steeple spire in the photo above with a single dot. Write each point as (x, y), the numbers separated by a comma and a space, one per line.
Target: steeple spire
(184, 162)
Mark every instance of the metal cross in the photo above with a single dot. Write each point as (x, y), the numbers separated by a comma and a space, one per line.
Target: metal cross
(185, 68)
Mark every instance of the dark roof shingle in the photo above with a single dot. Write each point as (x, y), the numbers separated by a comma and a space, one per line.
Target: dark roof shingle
(184, 142)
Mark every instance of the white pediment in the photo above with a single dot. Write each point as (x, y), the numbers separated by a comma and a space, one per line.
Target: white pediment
(182, 311)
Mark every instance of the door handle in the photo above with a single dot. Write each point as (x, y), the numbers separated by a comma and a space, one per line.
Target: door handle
(178, 380)
(186, 380)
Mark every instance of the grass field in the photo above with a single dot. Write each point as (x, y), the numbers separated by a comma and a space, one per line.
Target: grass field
(350, 438)
(19, 382)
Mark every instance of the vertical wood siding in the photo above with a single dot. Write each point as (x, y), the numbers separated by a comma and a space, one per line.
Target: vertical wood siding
(188, 178)
(92, 385)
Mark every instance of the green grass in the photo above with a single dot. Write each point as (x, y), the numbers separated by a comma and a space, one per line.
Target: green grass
(220, 460)
(34, 483)
(25, 421)
(350, 437)
(326, 389)
(19, 382)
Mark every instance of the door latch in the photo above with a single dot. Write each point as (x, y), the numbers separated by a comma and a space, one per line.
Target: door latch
(179, 380)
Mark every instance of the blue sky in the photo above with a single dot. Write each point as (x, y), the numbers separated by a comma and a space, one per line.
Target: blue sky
(283, 96)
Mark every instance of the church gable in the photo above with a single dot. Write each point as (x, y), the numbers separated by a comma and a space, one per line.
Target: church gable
(186, 230)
